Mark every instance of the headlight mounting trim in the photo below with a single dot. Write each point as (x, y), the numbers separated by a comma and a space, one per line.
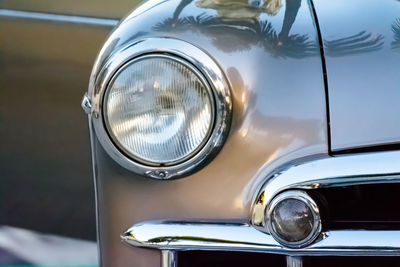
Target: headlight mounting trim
(203, 64)
(171, 58)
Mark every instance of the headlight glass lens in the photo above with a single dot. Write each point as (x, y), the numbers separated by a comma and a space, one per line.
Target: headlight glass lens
(159, 110)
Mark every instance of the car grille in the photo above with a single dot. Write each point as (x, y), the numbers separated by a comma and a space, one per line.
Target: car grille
(351, 261)
(228, 258)
(239, 259)
(368, 206)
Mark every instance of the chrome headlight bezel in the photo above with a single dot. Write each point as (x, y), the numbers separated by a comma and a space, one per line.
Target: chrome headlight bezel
(201, 78)
(201, 63)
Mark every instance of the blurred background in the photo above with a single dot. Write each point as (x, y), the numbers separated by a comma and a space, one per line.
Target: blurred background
(47, 199)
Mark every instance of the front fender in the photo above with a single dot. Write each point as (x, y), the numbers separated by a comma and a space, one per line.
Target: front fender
(270, 55)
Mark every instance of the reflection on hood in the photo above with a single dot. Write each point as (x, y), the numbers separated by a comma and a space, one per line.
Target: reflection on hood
(241, 9)
(237, 26)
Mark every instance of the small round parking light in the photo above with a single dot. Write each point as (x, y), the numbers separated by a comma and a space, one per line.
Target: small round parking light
(293, 219)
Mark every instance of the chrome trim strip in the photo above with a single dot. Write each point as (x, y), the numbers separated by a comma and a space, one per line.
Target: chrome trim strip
(371, 168)
(292, 261)
(169, 258)
(96, 189)
(169, 235)
(8, 13)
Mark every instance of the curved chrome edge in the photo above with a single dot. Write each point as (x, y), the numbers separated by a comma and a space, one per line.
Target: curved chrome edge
(293, 261)
(204, 64)
(18, 14)
(177, 236)
(169, 258)
(86, 104)
(302, 196)
(371, 168)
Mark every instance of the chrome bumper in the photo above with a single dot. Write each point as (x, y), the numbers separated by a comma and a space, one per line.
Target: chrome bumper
(179, 236)
(361, 169)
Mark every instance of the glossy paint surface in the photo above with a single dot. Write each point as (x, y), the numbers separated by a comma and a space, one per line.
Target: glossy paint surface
(362, 51)
(271, 59)
(45, 172)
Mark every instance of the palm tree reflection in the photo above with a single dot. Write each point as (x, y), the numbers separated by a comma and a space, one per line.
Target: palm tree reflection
(237, 26)
(361, 42)
(396, 32)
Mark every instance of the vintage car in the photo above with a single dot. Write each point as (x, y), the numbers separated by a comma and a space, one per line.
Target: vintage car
(240, 133)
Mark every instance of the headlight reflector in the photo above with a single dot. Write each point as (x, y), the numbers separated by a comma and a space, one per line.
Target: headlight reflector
(159, 110)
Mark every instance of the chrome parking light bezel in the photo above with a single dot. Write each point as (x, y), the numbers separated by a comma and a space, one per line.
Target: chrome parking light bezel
(201, 63)
(301, 196)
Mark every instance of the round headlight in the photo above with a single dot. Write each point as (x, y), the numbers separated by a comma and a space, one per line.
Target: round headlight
(158, 109)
